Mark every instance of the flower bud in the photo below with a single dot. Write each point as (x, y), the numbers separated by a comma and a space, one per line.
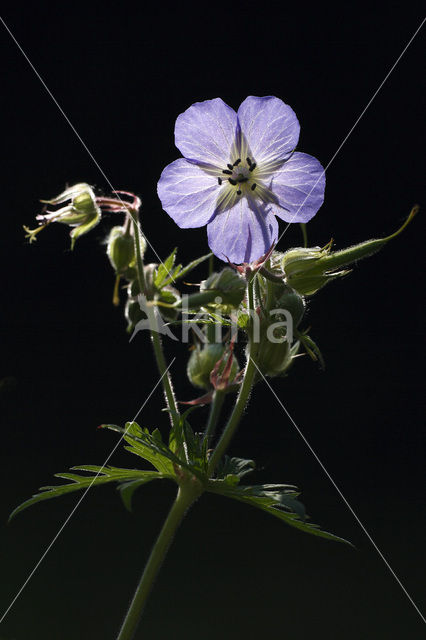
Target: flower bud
(289, 300)
(228, 286)
(202, 362)
(275, 358)
(304, 271)
(121, 249)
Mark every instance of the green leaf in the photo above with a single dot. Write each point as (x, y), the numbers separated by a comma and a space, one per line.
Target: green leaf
(276, 499)
(211, 319)
(127, 489)
(184, 442)
(140, 444)
(164, 270)
(189, 267)
(177, 436)
(102, 475)
(153, 449)
(234, 468)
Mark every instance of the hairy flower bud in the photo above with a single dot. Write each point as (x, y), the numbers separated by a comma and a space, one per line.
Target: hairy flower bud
(274, 359)
(226, 285)
(287, 299)
(202, 362)
(303, 269)
(121, 249)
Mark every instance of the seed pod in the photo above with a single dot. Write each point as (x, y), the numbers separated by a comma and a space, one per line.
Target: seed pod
(202, 362)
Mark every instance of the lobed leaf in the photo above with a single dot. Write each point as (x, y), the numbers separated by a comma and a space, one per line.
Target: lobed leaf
(189, 267)
(277, 500)
(164, 270)
(151, 447)
(234, 468)
(103, 475)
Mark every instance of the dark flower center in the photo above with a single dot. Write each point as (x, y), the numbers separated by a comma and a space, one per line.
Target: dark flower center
(239, 173)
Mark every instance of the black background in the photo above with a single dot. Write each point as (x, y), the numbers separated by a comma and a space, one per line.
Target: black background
(122, 75)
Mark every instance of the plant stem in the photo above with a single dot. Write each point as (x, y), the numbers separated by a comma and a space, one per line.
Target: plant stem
(243, 395)
(162, 367)
(184, 499)
(139, 263)
(235, 418)
(155, 337)
(215, 408)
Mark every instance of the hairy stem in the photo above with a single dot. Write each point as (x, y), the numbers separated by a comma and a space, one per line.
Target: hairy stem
(215, 409)
(184, 499)
(162, 366)
(139, 262)
(155, 336)
(243, 395)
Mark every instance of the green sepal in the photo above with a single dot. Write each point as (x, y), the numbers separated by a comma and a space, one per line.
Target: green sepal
(311, 348)
(103, 475)
(84, 228)
(278, 500)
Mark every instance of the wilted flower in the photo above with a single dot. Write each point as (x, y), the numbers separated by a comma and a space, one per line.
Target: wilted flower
(239, 171)
(82, 212)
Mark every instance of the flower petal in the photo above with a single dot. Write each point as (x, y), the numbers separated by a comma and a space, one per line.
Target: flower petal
(244, 232)
(269, 127)
(188, 194)
(299, 187)
(206, 132)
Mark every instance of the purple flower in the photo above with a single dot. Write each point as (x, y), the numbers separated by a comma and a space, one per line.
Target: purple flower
(239, 171)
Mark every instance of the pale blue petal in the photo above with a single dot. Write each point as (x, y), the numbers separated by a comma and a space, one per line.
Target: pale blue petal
(270, 128)
(188, 194)
(299, 188)
(206, 132)
(244, 232)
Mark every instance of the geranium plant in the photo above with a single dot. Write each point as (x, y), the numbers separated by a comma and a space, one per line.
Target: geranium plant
(240, 172)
